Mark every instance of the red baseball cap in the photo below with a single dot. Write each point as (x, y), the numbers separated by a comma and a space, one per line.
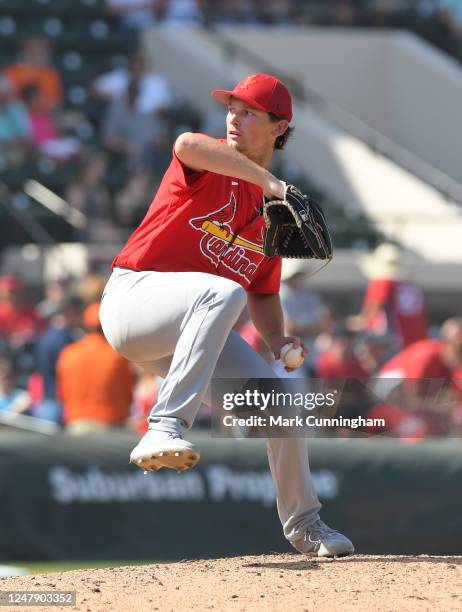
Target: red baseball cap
(262, 91)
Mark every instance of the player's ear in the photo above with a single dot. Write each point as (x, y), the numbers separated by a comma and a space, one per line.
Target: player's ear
(280, 127)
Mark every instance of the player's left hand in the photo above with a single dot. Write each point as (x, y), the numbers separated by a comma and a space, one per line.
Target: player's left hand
(277, 342)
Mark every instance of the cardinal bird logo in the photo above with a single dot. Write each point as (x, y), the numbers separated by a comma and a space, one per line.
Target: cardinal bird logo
(220, 245)
(221, 218)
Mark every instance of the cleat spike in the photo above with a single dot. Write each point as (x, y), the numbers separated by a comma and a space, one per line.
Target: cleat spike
(177, 454)
(145, 472)
(161, 454)
(140, 461)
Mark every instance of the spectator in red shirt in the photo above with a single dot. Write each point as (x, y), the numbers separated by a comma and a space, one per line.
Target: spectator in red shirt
(19, 322)
(418, 380)
(339, 360)
(433, 358)
(340, 363)
(391, 304)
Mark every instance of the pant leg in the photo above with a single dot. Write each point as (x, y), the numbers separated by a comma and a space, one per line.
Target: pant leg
(297, 502)
(182, 321)
(149, 315)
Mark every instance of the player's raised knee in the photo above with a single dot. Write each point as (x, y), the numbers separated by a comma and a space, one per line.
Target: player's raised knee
(235, 295)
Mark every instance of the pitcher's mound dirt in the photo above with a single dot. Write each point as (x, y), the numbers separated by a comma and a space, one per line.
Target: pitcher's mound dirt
(269, 582)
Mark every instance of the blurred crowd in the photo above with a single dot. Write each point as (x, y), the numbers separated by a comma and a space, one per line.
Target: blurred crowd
(103, 141)
(386, 360)
(107, 165)
(56, 365)
(439, 21)
(111, 165)
(110, 155)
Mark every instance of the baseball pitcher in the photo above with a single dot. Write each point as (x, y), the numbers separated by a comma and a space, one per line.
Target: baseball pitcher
(203, 251)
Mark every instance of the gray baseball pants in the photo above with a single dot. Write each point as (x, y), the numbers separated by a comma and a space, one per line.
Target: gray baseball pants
(179, 325)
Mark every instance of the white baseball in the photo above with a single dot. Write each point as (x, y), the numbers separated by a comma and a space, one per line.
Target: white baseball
(292, 357)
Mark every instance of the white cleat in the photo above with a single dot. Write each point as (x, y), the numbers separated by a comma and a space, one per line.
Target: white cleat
(159, 449)
(322, 541)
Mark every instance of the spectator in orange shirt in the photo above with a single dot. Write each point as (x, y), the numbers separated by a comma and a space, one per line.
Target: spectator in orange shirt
(94, 383)
(34, 68)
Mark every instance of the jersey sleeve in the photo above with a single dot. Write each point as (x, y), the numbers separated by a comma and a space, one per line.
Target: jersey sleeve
(187, 177)
(268, 279)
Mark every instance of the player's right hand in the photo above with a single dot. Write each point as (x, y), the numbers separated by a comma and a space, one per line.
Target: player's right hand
(277, 342)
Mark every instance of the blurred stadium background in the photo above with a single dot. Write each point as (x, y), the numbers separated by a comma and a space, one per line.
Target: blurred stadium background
(92, 96)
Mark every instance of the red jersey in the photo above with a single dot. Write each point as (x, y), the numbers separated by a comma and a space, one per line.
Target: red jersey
(22, 321)
(426, 374)
(329, 366)
(419, 360)
(402, 310)
(204, 222)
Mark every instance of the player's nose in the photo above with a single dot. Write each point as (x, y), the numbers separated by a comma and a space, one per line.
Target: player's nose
(234, 119)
